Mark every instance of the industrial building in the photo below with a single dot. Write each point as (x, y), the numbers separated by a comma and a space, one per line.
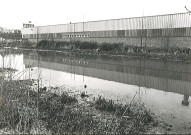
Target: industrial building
(150, 30)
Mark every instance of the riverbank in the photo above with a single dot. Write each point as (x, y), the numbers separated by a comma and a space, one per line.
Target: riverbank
(58, 111)
(166, 53)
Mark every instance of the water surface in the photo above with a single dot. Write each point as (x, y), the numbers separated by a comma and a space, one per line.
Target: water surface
(164, 87)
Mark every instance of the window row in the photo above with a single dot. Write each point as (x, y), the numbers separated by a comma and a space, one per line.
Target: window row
(78, 35)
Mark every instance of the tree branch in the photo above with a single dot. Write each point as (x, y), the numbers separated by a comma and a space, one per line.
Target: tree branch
(187, 9)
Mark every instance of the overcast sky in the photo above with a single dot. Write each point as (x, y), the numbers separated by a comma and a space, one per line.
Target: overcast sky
(13, 13)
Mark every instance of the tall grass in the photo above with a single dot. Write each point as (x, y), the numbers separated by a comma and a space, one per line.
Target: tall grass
(16, 113)
(61, 114)
(130, 110)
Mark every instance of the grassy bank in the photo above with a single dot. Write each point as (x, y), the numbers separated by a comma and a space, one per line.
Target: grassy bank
(24, 110)
(167, 52)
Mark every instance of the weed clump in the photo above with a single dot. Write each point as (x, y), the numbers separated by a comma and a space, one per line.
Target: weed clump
(137, 112)
(108, 105)
(66, 99)
(51, 104)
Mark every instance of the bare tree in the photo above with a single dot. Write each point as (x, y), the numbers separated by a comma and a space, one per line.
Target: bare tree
(167, 33)
(147, 25)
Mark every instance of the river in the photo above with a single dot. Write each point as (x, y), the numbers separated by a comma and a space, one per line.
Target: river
(164, 87)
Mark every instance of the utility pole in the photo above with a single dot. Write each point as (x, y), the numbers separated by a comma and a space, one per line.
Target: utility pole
(141, 33)
(83, 25)
(37, 35)
(70, 34)
(74, 32)
(38, 87)
(142, 30)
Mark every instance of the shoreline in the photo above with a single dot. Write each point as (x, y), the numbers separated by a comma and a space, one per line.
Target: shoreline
(165, 52)
(152, 56)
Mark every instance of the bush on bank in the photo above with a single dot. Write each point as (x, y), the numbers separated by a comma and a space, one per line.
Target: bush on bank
(170, 53)
(78, 45)
(111, 47)
(85, 45)
(45, 44)
(118, 48)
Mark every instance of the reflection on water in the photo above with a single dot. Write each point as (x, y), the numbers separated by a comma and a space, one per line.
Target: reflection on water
(185, 101)
(12, 61)
(169, 77)
(164, 86)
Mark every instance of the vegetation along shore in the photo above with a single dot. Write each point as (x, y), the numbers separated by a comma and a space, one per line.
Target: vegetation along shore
(165, 52)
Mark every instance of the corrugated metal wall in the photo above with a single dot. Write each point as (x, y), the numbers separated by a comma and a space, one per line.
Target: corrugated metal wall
(151, 26)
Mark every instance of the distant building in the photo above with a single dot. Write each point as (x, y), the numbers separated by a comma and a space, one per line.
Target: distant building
(28, 25)
(149, 30)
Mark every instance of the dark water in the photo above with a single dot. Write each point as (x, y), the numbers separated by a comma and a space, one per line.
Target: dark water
(164, 87)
